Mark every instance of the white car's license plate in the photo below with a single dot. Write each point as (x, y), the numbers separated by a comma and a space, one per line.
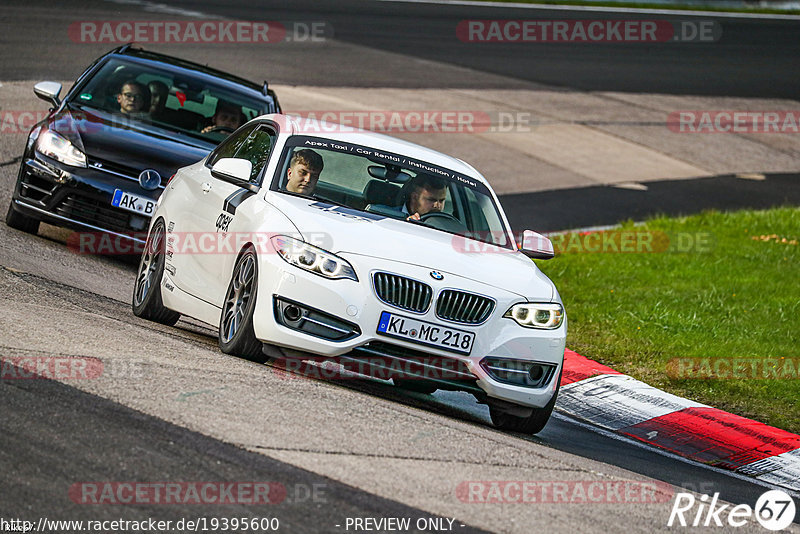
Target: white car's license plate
(135, 203)
(425, 333)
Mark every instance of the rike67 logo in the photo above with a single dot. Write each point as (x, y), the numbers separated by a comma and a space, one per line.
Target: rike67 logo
(774, 510)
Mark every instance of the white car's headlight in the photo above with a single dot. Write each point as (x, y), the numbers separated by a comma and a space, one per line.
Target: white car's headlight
(57, 147)
(537, 315)
(313, 259)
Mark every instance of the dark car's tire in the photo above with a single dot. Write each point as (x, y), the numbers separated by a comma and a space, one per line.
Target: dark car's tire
(236, 334)
(419, 386)
(146, 301)
(19, 221)
(533, 424)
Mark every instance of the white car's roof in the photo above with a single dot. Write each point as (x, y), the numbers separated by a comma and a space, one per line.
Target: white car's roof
(351, 134)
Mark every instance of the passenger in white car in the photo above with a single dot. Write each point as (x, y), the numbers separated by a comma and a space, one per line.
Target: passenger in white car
(304, 170)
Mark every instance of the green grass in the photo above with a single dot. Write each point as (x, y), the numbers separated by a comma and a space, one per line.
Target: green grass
(735, 297)
(643, 5)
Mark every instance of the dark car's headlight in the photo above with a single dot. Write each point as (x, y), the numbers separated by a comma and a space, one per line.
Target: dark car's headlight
(312, 259)
(547, 316)
(60, 149)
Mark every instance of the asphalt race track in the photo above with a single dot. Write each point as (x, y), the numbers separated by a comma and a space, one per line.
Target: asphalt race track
(172, 408)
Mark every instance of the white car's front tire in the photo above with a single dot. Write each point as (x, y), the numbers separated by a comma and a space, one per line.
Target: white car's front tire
(532, 424)
(146, 301)
(236, 334)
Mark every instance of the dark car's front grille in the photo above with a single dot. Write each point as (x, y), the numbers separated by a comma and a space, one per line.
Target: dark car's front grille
(122, 171)
(402, 292)
(91, 211)
(463, 307)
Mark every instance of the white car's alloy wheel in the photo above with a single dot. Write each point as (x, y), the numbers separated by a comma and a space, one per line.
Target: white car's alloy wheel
(236, 335)
(147, 302)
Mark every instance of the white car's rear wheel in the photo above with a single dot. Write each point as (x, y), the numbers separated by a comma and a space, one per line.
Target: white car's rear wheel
(236, 335)
(146, 302)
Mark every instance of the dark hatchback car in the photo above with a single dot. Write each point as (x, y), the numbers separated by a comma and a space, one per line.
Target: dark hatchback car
(102, 156)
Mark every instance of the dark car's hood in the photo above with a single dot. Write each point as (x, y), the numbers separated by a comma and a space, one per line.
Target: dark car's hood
(128, 144)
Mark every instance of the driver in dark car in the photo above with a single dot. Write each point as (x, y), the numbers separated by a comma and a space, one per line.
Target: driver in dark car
(427, 194)
(227, 116)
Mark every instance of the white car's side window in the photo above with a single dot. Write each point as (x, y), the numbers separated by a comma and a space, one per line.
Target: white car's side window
(253, 144)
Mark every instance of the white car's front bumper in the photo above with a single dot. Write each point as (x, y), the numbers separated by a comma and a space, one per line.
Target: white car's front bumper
(356, 303)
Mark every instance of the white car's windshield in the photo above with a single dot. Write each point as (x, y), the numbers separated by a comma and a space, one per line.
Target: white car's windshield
(391, 185)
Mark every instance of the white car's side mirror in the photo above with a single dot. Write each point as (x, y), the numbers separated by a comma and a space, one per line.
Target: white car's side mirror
(535, 245)
(232, 169)
(48, 91)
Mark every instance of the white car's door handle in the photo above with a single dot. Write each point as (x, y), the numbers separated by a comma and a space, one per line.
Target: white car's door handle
(206, 187)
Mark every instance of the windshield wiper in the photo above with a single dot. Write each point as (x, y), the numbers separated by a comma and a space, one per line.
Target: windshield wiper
(329, 201)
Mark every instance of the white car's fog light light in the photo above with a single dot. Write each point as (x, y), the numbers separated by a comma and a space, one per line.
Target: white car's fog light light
(313, 322)
(519, 372)
(548, 316)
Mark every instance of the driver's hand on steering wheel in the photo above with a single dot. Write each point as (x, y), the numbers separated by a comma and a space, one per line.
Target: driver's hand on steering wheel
(414, 217)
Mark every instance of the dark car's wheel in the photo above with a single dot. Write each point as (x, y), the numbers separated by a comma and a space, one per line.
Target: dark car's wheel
(236, 334)
(419, 386)
(146, 302)
(533, 424)
(19, 221)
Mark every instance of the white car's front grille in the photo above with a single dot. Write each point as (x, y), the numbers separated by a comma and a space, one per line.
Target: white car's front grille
(463, 307)
(403, 292)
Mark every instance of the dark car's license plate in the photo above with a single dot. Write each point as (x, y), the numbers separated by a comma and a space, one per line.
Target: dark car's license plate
(135, 203)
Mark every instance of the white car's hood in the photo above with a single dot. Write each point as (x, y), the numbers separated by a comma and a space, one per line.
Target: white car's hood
(346, 232)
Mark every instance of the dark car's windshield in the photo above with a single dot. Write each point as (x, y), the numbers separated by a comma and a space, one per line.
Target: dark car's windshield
(394, 186)
(147, 93)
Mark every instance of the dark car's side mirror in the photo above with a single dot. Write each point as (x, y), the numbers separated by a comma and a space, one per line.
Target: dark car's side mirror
(537, 246)
(236, 171)
(48, 91)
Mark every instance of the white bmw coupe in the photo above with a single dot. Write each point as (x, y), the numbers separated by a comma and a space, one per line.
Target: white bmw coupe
(378, 253)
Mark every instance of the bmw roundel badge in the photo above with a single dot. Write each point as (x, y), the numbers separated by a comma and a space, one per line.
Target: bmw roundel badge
(436, 275)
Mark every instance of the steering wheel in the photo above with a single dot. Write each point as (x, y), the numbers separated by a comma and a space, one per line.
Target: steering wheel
(443, 221)
(220, 129)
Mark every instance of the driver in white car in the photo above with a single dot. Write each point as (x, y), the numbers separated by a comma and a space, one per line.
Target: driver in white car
(426, 194)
